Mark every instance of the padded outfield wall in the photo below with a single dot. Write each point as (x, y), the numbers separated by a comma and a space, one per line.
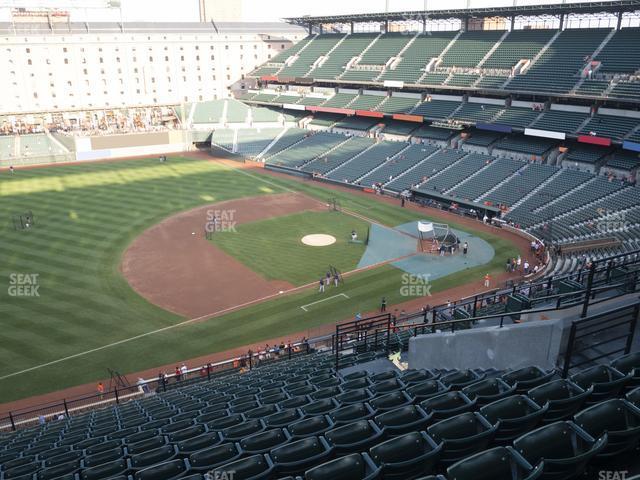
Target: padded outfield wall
(102, 147)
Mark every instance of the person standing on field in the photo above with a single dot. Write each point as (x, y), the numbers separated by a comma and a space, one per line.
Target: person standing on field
(321, 289)
(383, 305)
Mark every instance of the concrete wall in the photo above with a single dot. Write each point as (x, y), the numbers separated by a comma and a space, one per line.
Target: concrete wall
(512, 346)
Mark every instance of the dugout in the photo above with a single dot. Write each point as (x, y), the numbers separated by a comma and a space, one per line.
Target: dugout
(455, 205)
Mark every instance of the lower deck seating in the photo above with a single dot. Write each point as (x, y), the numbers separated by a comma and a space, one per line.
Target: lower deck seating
(468, 424)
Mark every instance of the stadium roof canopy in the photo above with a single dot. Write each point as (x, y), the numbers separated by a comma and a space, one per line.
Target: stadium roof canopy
(615, 6)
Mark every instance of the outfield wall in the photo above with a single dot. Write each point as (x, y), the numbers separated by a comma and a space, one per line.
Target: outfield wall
(132, 145)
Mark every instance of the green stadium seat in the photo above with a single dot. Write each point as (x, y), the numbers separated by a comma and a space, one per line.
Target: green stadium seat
(619, 418)
(427, 389)
(146, 445)
(413, 377)
(386, 386)
(155, 424)
(634, 396)
(210, 458)
(186, 433)
(563, 397)
(460, 379)
(105, 470)
(629, 364)
(140, 436)
(58, 470)
(500, 463)
(264, 441)
(403, 420)
(260, 412)
(244, 429)
(526, 378)
(64, 458)
(354, 437)
(151, 457)
(163, 471)
(294, 402)
(391, 401)
(607, 382)
(122, 433)
(310, 426)
(244, 406)
(563, 446)
(52, 452)
(351, 413)
(447, 405)
(194, 444)
(319, 407)
(356, 384)
(283, 418)
(20, 470)
(463, 435)
(225, 422)
(406, 456)
(512, 416)
(102, 447)
(354, 396)
(296, 457)
(351, 467)
(356, 375)
(106, 456)
(488, 390)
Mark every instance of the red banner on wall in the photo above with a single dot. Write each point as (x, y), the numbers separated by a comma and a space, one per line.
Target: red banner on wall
(269, 78)
(592, 139)
(343, 111)
(368, 113)
(408, 118)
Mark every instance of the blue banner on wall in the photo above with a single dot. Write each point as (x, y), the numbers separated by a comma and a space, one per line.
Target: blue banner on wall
(494, 127)
(627, 145)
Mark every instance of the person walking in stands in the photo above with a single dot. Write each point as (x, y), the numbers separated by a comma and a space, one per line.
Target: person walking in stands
(100, 389)
(383, 305)
(487, 280)
(465, 248)
(321, 289)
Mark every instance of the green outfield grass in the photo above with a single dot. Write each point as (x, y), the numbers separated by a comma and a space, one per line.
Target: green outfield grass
(87, 214)
(273, 247)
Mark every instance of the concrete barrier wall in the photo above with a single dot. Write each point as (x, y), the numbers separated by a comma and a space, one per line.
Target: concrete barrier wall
(512, 346)
(129, 140)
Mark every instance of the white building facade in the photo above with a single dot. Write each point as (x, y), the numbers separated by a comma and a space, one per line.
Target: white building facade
(61, 67)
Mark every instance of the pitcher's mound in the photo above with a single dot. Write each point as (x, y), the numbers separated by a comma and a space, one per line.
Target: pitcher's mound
(318, 240)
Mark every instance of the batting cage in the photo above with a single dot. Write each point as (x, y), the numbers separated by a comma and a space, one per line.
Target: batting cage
(436, 235)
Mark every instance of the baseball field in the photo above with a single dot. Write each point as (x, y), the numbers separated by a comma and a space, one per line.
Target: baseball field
(74, 298)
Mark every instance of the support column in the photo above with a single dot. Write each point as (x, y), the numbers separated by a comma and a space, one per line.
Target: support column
(424, 24)
(513, 22)
(619, 25)
(352, 27)
(310, 28)
(321, 29)
(386, 26)
(561, 21)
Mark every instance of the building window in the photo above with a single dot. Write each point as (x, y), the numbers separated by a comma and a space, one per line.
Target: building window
(66, 61)
(29, 62)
